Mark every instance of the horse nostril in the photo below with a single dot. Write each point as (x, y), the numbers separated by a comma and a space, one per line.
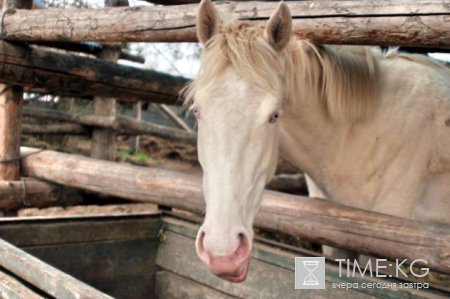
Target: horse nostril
(243, 249)
(200, 247)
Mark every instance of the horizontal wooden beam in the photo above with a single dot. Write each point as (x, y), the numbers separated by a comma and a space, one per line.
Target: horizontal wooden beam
(27, 193)
(89, 48)
(10, 287)
(73, 129)
(48, 71)
(422, 23)
(319, 220)
(43, 276)
(120, 124)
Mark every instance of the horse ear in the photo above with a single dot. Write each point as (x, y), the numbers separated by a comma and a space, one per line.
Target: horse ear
(279, 27)
(208, 21)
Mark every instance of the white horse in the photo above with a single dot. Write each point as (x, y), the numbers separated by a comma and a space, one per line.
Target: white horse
(371, 130)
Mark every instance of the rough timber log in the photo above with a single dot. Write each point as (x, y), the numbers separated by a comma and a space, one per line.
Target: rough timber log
(16, 194)
(11, 98)
(316, 219)
(10, 128)
(73, 129)
(89, 48)
(422, 23)
(120, 124)
(103, 140)
(68, 74)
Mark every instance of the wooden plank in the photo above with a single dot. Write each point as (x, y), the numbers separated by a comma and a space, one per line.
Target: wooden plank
(279, 256)
(12, 288)
(172, 286)
(319, 220)
(386, 22)
(177, 254)
(115, 254)
(47, 71)
(44, 276)
(27, 232)
(121, 124)
(104, 264)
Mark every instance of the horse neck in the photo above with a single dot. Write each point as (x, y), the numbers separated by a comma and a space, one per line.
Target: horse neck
(309, 138)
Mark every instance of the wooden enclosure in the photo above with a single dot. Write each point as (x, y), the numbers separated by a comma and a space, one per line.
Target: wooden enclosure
(385, 22)
(149, 256)
(153, 255)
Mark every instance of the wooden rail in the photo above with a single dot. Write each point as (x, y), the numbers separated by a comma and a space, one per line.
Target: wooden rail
(46, 71)
(421, 23)
(315, 219)
(43, 276)
(120, 124)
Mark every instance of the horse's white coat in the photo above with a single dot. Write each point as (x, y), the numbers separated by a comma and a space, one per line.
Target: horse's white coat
(394, 160)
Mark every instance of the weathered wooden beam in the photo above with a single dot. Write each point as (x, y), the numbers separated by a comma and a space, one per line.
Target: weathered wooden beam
(136, 140)
(26, 193)
(131, 57)
(319, 220)
(68, 74)
(121, 124)
(403, 23)
(11, 98)
(89, 48)
(175, 118)
(104, 139)
(73, 129)
(10, 128)
(10, 287)
(45, 277)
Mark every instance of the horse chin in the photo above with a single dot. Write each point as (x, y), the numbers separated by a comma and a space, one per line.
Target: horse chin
(239, 275)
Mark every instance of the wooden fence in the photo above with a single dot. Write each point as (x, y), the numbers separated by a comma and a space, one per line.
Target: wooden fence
(315, 219)
(385, 22)
(421, 23)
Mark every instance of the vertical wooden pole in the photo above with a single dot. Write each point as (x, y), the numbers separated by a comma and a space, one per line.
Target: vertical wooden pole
(103, 140)
(10, 130)
(11, 98)
(136, 139)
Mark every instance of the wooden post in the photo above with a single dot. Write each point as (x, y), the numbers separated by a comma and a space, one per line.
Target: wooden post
(103, 140)
(10, 117)
(10, 130)
(135, 140)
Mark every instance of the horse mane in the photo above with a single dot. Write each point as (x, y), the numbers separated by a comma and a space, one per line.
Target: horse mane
(344, 79)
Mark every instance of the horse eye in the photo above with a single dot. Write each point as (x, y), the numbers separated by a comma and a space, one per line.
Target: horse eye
(196, 112)
(273, 117)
